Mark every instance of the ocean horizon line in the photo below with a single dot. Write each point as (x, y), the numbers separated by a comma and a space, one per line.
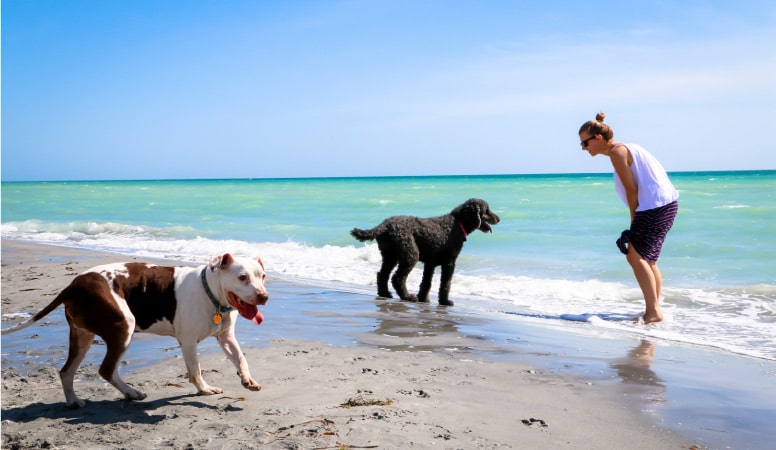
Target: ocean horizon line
(397, 177)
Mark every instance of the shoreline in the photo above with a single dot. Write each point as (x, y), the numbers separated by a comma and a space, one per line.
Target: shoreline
(591, 392)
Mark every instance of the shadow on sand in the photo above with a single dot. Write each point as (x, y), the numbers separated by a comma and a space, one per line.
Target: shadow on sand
(106, 412)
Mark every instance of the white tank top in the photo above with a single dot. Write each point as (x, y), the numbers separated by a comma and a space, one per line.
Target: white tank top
(654, 187)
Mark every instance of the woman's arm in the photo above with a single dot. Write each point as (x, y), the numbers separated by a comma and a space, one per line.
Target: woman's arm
(620, 160)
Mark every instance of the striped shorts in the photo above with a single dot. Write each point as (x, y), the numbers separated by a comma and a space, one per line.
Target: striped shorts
(648, 231)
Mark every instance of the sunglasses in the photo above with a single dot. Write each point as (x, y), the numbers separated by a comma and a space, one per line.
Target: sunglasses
(584, 143)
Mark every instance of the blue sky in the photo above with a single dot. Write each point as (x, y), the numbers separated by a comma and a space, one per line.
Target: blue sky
(146, 89)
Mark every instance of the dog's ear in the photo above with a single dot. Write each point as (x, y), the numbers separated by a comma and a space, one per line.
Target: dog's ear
(469, 213)
(477, 207)
(261, 263)
(219, 262)
(475, 210)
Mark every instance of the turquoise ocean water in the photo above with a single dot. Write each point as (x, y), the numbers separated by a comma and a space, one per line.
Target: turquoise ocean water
(551, 259)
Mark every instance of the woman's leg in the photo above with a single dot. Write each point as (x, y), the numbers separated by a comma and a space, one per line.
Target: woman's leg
(658, 279)
(650, 281)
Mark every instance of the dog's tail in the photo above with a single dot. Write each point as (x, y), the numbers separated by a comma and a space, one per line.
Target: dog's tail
(366, 235)
(39, 315)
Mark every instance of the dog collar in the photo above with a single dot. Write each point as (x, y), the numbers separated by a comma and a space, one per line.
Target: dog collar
(213, 299)
(463, 230)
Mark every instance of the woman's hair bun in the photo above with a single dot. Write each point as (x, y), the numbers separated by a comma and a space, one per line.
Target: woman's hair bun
(600, 117)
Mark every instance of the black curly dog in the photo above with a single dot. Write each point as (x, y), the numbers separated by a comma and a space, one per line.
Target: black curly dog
(405, 240)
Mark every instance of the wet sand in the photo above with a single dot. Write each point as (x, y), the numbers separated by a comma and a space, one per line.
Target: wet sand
(338, 370)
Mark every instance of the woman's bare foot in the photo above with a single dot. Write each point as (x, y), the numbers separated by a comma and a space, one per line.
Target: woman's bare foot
(653, 317)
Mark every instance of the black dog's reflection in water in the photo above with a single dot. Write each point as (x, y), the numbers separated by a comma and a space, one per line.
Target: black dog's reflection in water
(416, 327)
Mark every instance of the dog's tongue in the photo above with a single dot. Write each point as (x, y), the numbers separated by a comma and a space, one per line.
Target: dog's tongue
(250, 312)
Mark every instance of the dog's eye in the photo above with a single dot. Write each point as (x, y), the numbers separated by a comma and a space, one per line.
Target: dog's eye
(244, 278)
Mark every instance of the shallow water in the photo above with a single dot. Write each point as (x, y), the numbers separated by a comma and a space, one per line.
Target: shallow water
(551, 258)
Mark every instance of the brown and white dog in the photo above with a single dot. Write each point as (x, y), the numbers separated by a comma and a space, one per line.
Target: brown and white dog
(190, 303)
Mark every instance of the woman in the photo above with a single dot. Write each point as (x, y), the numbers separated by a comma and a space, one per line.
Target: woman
(643, 185)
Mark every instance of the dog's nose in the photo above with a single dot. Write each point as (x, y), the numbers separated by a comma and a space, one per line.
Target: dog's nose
(262, 296)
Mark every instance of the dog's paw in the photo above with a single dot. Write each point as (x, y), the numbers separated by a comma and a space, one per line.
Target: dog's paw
(447, 302)
(75, 404)
(210, 390)
(410, 298)
(251, 385)
(134, 395)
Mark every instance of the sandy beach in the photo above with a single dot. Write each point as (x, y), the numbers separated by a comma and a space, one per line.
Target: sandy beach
(338, 370)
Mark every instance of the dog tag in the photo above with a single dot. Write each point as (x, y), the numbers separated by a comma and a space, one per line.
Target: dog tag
(217, 318)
